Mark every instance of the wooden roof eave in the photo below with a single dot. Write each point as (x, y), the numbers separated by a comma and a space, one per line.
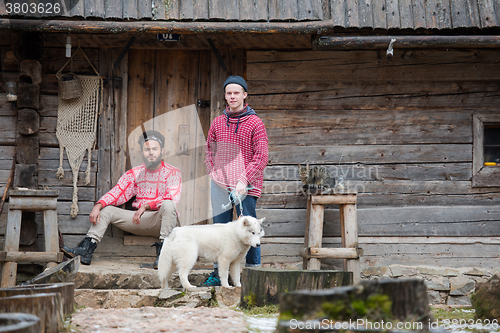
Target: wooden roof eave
(324, 43)
(184, 27)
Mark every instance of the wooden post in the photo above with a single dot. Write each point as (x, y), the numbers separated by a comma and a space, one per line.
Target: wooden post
(306, 233)
(50, 233)
(12, 235)
(315, 237)
(350, 238)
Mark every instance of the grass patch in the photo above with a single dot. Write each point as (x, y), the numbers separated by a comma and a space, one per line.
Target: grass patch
(267, 310)
(457, 313)
(463, 319)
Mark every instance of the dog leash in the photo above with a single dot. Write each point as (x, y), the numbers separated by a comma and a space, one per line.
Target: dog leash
(235, 198)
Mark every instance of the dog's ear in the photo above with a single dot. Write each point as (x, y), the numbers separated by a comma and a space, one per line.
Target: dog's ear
(246, 223)
(261, 220)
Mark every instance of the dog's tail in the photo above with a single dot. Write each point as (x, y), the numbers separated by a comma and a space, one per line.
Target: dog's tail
(165, 263)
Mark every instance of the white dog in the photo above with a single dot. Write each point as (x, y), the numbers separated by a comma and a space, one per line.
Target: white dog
(225, 243)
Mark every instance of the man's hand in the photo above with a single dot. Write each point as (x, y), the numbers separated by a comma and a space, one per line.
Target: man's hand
(137, 216)
(241, 188)
(95, 214)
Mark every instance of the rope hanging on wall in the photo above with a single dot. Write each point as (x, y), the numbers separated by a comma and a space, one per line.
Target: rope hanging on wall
(77, 127)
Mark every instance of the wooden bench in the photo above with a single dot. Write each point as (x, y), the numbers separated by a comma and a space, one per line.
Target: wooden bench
(350, 252)
(29, 201)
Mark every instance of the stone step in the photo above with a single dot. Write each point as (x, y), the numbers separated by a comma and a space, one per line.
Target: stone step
(120, 275)
(136, 298)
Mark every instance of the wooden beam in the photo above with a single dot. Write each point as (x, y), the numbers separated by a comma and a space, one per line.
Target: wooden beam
(322, 43)
(332, 253)
(33, 204)
(333, 199)
(167, 27)
(391, 240)
(10, 256)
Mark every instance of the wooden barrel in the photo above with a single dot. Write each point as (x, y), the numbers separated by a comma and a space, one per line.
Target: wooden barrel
(19, 323)
(47, 307)
(66, 289)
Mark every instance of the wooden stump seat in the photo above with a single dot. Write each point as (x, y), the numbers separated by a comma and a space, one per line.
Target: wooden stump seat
(350, 252)
(19, 323)
(30, 201)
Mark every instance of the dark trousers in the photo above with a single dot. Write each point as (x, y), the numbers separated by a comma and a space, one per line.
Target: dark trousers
(219, 197)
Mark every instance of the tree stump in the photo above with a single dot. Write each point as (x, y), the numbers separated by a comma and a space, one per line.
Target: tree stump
(374, 301)
(19, 323)
(261, 286)
(66, 290)
(47, 307)
(486, 299)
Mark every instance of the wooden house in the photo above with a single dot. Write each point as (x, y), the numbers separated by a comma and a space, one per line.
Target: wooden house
(410, 131)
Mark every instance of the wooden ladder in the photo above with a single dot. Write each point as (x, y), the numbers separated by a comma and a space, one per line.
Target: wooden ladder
(350, 252)
(29, 201)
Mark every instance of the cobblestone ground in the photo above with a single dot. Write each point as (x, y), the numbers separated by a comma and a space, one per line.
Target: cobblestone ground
(153, 319)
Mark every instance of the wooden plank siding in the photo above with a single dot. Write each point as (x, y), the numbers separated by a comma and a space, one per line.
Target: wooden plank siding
(400, 134)
(385, 14)
(398, 129)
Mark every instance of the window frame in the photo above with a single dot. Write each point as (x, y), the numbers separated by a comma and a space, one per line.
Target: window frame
(483, 176)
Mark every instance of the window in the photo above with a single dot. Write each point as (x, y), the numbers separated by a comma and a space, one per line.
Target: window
(486, 150)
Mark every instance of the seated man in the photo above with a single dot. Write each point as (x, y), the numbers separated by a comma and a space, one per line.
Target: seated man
(156, 186)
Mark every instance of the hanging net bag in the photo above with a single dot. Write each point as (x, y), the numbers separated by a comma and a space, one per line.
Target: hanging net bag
(77, 126)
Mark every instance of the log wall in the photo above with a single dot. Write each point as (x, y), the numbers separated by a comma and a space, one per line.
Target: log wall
(399, 129)
(403, 126)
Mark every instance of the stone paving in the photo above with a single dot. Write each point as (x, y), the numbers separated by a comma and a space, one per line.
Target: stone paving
(154, 319)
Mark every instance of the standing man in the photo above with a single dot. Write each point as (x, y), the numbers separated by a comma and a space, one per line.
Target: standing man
(156, 186)
(236, 155)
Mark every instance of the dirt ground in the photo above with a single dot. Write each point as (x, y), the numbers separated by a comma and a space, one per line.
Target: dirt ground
(155, 319)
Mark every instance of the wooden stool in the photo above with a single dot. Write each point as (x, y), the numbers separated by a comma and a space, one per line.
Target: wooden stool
(29, 201)
(349, 251)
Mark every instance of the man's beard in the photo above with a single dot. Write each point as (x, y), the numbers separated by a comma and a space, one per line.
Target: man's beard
(152, 165)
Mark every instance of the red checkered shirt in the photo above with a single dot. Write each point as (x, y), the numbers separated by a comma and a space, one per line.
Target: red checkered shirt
(242, 156)
(148, 187)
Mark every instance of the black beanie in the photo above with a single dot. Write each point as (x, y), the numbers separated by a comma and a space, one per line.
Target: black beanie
(152, 135)
(236, 79)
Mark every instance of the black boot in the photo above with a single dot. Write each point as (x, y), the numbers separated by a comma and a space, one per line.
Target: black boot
(84, 249)
(158, 251)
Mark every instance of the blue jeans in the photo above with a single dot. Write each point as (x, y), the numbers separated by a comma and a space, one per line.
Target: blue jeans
(219, 197)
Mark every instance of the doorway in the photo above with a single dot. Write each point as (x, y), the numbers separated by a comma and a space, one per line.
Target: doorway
(165, 90)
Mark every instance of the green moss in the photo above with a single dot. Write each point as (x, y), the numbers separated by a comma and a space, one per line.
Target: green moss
(360, 307)
(250, 300)
(377, 307)
(287, 315)
(336, 310)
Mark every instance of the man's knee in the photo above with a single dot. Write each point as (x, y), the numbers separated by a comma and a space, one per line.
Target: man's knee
(167, 206)
(106, 212)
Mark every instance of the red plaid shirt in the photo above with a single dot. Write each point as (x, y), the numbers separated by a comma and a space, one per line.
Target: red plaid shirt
(242, 156)
(148, 187)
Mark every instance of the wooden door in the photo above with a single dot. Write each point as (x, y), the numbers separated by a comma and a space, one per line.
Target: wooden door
(163, 93)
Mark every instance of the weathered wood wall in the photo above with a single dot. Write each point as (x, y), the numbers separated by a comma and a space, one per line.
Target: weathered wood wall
(52, 60)
(403, 127)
